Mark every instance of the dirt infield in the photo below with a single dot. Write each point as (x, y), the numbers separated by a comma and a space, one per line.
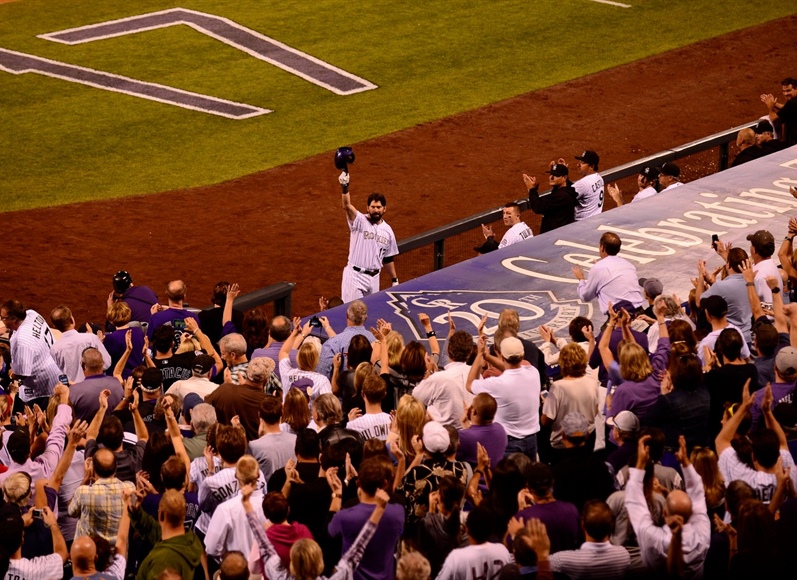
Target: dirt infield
(286, 223)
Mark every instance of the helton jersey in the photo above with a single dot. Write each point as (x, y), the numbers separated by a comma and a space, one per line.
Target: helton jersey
(370, 243)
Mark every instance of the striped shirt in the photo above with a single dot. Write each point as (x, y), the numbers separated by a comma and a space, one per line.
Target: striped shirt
(49, 567)
(590, 196)
(594, 560)
(372, 426)
(370, 243)
(30, 357)
(517, 233)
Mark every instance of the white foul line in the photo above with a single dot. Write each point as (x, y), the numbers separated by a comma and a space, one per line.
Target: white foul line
(620, 4)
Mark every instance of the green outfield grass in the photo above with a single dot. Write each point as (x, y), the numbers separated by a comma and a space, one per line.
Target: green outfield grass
(64, 142)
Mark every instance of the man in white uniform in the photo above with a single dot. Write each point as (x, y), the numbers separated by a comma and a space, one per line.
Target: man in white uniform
(31, 362)
(611, 279)
(590, 187)
(517, 232)
(646, 181)
(669, 173)
(372, 246)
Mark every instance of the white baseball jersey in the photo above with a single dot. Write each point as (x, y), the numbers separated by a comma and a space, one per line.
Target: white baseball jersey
(370, 243)
(590, 196)
(217, 489)
(68, 353)
(199, 470)
(30, 357)
(517, 233)
(644, 194)
(672, 186)
(375, 426)
(290, 374)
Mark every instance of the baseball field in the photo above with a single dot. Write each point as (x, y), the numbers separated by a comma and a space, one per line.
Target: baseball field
(225, 113)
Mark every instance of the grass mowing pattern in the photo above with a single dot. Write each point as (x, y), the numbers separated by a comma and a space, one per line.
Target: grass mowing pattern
(65, 142)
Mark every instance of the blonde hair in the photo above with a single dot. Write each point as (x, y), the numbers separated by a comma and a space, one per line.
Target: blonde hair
(634, 362)
(5, 407)
(189, 345)
(16, 488)
(119, 314)
(410, 417)
(307, 357)
(395, 346)
(509, 319)
(247, 470)
(307, 560)
(573, 360)
(707, 467)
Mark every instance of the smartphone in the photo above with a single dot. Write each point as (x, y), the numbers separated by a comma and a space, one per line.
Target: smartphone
(714, 241)
(38, 513)
(64, 380)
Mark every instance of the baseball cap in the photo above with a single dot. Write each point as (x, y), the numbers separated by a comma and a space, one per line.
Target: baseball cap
(763, 127)
(575, 425)
(649, 172)
(435, 437)
(652, 286)
(512, 347)
(589, 157)
(786, 362)
(259, 369)
(191, 400)
(203, 363)
(305, 385)
(558, 170)
(624, 421)
(670, 169)
(761, 239)
(151, 380)
(624, 305)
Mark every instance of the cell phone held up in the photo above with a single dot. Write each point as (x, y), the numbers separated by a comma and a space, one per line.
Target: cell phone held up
(315, 322)
(714, 241)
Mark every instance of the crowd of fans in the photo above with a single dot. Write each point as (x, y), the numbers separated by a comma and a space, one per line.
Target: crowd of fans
(168, 444)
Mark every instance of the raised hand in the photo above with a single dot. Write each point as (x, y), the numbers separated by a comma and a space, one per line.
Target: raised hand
(531, 182)
(233, 291)
(334, 480)
(681, 455)
(77, 432)
(643, 452)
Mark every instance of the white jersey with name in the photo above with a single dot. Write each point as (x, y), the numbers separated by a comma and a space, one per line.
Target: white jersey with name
(517, 233)
(199, 470)
(475, 562)
(39, 568)
(31, 359)
(370, 243)
(644, 194)
(590, 196)
(372, 426)
(215, 490)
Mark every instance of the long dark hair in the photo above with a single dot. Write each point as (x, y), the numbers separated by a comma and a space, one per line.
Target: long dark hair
(452, 490)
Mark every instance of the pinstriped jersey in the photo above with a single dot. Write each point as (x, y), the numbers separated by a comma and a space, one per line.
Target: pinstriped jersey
(517, 233)
(372, 426)
(370, 243)
(31, 359)
(590, 196)
(217, 489)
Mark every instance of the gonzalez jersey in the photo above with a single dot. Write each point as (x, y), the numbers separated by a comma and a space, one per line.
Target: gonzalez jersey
(31, 359)
(216, 489)
(517, 233)
(370, 243)
(590, 196)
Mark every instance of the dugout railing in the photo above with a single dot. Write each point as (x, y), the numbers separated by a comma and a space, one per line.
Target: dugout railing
(436, 238)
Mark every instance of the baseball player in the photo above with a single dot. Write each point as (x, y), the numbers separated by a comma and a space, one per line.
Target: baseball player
(517, 232)
(372, 245)
(590, 187)
(646, 181)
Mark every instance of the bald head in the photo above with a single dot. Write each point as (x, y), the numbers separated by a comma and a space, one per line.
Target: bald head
(104, 463)
(745, 138)
(83, 554)
(175, 291)
(92, 362)
(234, 566)
(679, 504)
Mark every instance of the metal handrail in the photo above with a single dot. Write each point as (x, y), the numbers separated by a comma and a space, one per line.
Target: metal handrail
(438, 235)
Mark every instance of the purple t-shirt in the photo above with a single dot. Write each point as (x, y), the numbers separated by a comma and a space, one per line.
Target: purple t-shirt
(273, 352)
(781, 393)
(169, 316)
(561, 520)
(492, 436)
(639, 397)
(378, 562)
(85, 395)
(140, 300)
(114, 343)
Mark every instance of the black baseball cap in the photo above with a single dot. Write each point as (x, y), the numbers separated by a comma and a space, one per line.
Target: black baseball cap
(152, 380)
(670, 169)
(763, 126)
(558, 170)
(589, 157)
(650, 172)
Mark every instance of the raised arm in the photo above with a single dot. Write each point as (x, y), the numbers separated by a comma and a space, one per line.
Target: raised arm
(204, 342)
(263, 543)
(75, 436)
(476, 367)
(752, 294)
(345, 200)
(607, 358)
(142, 433)
(94, 427)
(120, 365)
(781, 322)
(434, 346)
(769, 418)
(723, 440)
(174, 433)
(293, 340)
(786, 251)
(625, 324)
(232, 294)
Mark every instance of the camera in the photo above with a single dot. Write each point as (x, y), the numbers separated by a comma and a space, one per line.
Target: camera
(315, 322)
(38, 513)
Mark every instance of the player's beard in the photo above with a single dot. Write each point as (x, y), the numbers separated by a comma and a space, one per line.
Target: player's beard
(374, 218)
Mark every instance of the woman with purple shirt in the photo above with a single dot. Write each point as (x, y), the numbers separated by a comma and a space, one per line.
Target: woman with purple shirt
(638, 385)
(118, 316)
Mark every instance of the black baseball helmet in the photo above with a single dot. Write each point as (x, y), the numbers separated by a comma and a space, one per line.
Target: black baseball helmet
(344, 156)
(122, 281)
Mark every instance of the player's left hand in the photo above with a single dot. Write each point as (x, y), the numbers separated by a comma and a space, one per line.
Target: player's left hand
(487, 231)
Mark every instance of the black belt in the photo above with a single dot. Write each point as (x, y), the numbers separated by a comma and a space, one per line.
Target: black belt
(366, 272)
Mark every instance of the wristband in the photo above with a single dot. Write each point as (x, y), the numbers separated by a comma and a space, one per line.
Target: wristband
(337, 496)
(776, 290)
(789, 239)
(345, 188)
(394, 280)
(431, 334)
(750, 284)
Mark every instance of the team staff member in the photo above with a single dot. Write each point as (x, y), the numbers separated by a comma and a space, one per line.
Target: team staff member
(517, 232)
(372, 245)
(558, 207)
(646, 181)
